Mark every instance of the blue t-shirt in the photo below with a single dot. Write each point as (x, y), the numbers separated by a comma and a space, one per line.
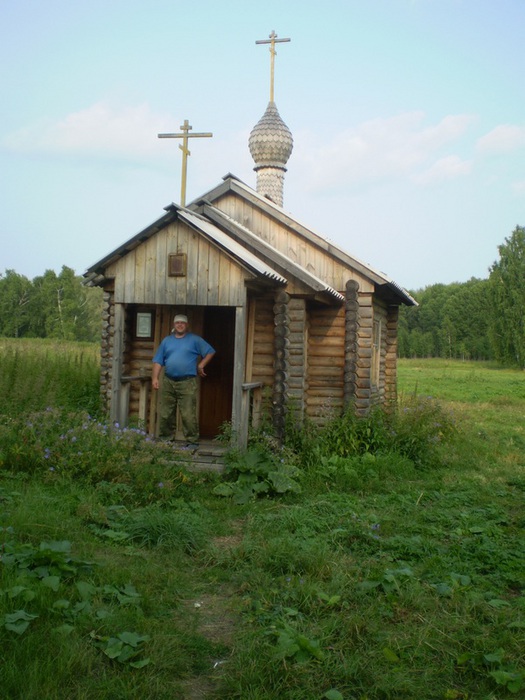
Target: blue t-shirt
(179, 355)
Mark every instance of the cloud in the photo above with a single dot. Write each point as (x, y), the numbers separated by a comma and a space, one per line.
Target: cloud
(381, 149)
(503, 139)
(448, 168)
(100, 131)
(378, 150)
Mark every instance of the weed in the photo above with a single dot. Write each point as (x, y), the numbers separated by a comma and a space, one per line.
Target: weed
(396, 572)
(257, 472)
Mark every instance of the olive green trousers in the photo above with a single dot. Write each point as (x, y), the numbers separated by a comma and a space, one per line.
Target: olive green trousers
(181, 395)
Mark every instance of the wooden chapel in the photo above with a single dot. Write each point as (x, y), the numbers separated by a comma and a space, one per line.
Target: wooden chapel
(298, 324)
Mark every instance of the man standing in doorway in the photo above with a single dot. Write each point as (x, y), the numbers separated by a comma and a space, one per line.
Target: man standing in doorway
(184, 356)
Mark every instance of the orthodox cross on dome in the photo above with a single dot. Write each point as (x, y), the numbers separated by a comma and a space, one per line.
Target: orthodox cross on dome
(185, 135)
(272, 41)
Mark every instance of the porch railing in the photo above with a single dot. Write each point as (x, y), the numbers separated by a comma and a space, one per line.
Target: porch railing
(125, 390)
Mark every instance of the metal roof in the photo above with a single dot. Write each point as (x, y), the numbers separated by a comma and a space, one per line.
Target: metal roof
(234, 184)
(94, 274)
(229, 244)
(272, 253)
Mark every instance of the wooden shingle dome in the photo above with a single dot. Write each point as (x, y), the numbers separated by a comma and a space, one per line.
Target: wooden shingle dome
(271, 145)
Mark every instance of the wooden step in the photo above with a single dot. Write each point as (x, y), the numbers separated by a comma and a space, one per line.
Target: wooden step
(208, 457)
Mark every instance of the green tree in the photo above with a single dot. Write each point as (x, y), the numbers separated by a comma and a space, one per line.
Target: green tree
(44, 306)
(92, 315)
(466, 317)
(15, 295)
(62, 307)
(49, 306)
(450, 321)
(507, 291)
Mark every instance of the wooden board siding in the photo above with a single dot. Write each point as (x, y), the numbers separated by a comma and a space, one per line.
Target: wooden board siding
(325, 363)
(212, 277)
(317, 261)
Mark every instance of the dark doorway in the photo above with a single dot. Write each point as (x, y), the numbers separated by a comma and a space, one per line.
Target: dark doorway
(217, 387)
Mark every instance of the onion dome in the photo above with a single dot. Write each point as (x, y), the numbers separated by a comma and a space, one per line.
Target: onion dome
(271, 145)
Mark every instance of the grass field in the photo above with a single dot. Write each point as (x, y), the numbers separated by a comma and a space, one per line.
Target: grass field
(381, 560)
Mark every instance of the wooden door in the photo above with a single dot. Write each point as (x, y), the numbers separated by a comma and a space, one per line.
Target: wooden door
(216, 389)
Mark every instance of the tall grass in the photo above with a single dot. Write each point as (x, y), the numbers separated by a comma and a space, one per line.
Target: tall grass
(39, 372)
(396, 571)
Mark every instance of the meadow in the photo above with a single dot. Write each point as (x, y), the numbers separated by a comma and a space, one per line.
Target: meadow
(371, 560)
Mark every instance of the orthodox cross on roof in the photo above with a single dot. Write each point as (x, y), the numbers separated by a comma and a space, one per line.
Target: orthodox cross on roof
(272, 41)
(185, 135)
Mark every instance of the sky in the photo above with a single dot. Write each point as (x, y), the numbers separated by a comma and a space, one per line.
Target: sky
(408, 119)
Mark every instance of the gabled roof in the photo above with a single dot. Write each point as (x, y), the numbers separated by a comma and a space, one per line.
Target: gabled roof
(231, 183)
(199, 223)
(247, 237)
(94, 273)
(245, 246)
(225, 242)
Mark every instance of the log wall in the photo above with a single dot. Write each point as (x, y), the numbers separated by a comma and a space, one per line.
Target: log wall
(364, 391)
(391, 356)
(106, 348)
(351, 341)
(297, 359)
(315, 359)
(326, 362)
(281, 362)
(262, 361)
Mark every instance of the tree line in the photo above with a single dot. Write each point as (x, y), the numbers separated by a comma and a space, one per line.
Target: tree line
(482, 319)
(49, 306)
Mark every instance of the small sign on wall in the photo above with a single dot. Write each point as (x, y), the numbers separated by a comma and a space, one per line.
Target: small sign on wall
(144, 326)
(177, 264)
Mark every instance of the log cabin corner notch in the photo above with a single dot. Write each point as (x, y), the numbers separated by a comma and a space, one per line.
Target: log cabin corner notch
(286, 310)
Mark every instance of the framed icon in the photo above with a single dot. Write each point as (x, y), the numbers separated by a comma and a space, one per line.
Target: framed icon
(144, 324)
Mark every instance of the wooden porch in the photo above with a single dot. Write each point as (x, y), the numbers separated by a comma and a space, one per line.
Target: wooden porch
(208, 457)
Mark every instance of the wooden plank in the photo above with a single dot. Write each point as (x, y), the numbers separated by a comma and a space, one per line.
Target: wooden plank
(328, 392)
(239, 406)
(154, 395)
(320, 370)
(137, 284)
(213, 276)
(203, 272)
(159, 282)
(150, 270)
(116, 362)
(225, 271)
(263, 347)
(250, 334)
(262, 373)
(320, 342)
(192, 278)
(178, 244)
(332, 401)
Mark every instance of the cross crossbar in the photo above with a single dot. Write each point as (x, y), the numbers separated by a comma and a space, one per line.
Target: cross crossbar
(272, 41)
(185, 135)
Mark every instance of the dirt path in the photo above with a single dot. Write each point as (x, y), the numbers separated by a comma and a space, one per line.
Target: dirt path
(215, 617)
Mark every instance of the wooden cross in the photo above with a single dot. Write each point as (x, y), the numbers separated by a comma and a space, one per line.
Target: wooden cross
(272, 41)
(185, 153)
